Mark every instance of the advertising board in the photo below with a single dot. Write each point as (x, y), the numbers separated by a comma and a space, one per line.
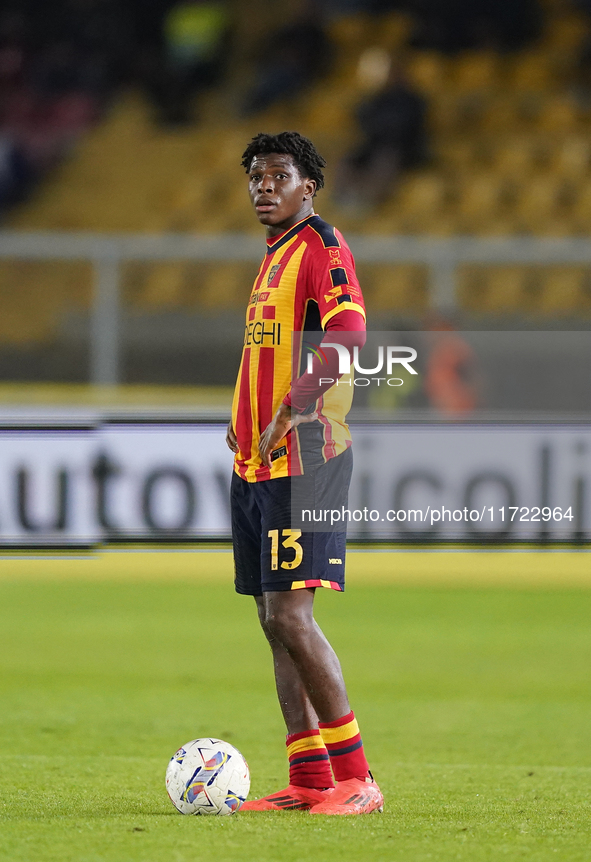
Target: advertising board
(163, 481)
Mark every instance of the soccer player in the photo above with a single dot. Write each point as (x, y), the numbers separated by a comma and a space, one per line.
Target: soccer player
(289, 427)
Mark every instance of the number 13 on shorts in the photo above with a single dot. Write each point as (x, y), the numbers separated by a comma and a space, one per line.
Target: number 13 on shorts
(291, 541)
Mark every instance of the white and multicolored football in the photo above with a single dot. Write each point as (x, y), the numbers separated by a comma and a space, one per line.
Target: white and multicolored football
(207, 776)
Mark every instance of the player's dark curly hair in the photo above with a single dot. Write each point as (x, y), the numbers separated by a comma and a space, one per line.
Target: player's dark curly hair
(305, 155)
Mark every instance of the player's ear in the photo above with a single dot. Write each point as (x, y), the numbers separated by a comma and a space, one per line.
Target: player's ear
(309, 189)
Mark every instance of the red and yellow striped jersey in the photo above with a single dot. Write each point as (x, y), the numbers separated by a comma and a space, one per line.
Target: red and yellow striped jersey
(307, 277)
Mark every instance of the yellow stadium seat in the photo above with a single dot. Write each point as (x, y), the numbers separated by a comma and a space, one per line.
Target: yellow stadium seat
(161, 287)
(565, 33)
(236, 205)
(582, 203)
(518, 156)
(421, 194)
(500, 289)
(35, 294)
(566, 291)
(329, 109)
(503, 224)
(481, 195)
(581, 207)
(502, 114)
(351, 31)
(392, 31)
(472, 288)
(420, 206)
(448, 115)
(476, 72)
(428, 71)
(400, 287)
(572, 158)
(460, 152)
(559, 114)
(531, 72)
(350, 34)
(561, 224)
(540, 200)
(225, 285)
(186, 198)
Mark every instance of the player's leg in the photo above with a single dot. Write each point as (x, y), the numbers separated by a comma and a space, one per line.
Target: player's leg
(286, 557)
(310, 776)
(309, 767)
(289, 621)
(292, 565)
(298, 712)
(320, 562)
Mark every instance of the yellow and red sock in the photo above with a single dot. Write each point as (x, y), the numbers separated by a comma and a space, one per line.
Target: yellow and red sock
(345, 748)
(309, 764)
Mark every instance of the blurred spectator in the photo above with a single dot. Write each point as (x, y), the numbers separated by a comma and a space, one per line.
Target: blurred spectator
(291, 59)
(452, 382)
(195, 47)
(393, 125)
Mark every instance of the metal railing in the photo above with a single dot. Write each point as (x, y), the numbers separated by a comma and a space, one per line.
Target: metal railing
(107, 252)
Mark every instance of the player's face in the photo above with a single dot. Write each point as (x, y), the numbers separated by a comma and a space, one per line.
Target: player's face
(279, 195)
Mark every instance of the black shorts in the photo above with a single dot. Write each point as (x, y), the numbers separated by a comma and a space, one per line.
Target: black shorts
(270, 556)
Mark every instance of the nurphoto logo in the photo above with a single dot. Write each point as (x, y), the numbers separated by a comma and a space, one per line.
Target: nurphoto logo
(387, 356)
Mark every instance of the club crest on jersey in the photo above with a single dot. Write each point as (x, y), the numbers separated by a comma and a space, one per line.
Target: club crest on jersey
(273, 272)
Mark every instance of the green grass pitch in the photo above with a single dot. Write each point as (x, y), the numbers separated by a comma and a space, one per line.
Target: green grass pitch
(473, 699)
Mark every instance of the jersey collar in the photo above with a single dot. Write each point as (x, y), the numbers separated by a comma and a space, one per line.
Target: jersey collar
(277, 241)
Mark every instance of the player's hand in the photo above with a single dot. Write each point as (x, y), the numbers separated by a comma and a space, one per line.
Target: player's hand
(231, 438)
(278, 428)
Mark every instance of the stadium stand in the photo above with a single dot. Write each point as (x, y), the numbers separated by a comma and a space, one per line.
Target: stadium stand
(509, 154)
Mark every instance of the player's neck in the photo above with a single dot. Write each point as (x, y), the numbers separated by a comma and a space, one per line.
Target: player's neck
(275, 230)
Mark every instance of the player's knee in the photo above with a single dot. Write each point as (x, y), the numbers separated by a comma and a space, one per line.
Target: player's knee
(261, 610)
(286, 626)
(262, 614)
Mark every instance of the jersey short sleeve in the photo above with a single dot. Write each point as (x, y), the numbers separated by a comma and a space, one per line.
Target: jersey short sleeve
(333, 282)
